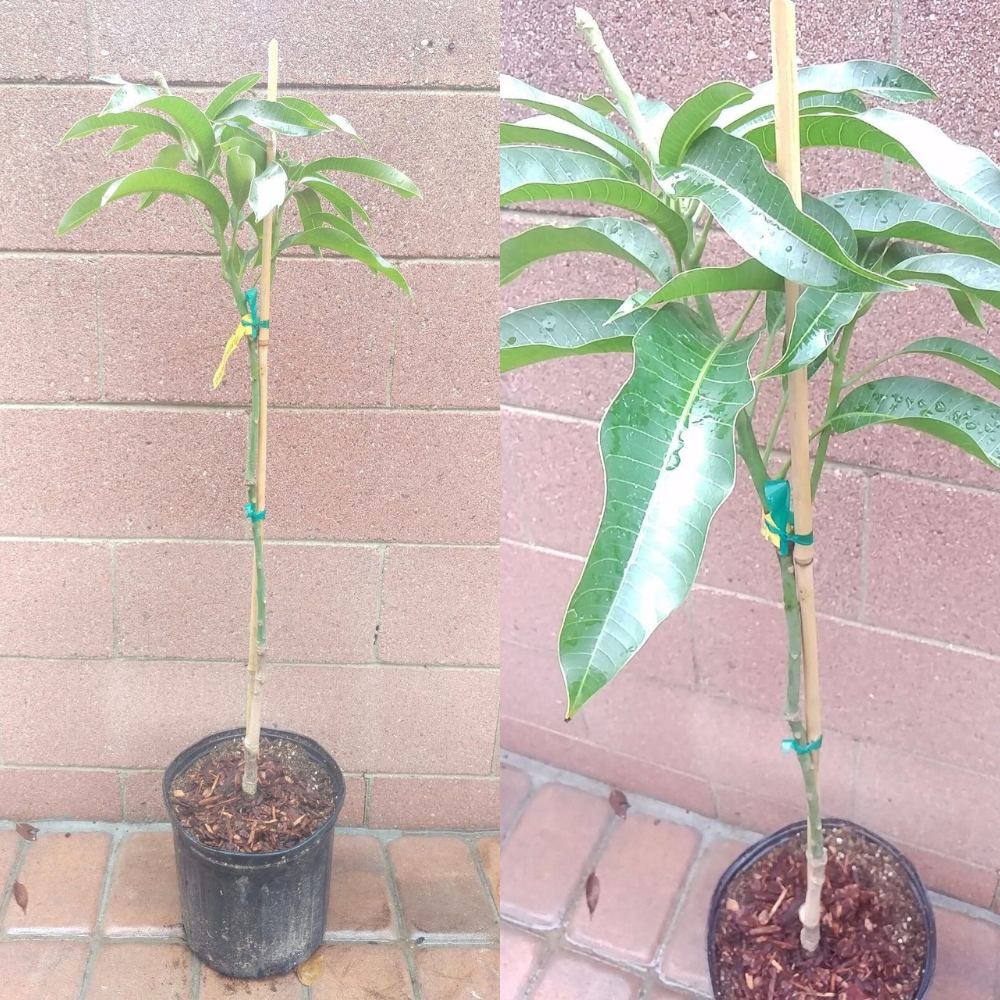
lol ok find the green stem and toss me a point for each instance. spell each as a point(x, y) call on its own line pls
point(776, 425)
point(858, 376)
point(699, 248)
point(749, 450)
point(832, 399)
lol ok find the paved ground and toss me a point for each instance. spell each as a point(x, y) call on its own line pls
point(412, 917)
point(657, 869)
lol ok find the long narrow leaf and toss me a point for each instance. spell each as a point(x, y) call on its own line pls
point(195, 126)
point(318, 116)
point(962, 353)
point(669, 457)
point(695, 115)
point(338, 242)
point(272, 115)
point(960, 272)
point(547, 130)
point(365, 167)
point(339, 198)
point(226, 96)
point(936, 408)
point(563, 328)
point(621, 238)
point(136, 119)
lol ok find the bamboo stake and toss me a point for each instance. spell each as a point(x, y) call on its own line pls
point(789, 169)
point(256, 657)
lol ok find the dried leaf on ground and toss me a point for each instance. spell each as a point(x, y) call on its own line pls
point(27, 831)
point(312, 969)
point(21, 896)
point(593, 891)
point(619, 803)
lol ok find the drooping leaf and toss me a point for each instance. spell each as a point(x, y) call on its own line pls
point(819, 317)
point(241, 171)
point(128, 97)
point(756, 210)
point(860, 76)
point(196, 127)
point(338, 242)
point(936, 408)
point(695, 115)
point(967, 175)
point(968, 308)
point(961, 352)
point(833, 222)
point(622, 238)
point(227, 95)
point(960, 272)
point(535, 173)
point(337, 197)
point(547, 130)
point(527, 96)
point(599, 103)
point(878, 212)
point(272, 115)
point(364, 167)
point(268, 190)
point(809, 104)
point(747, 276)
point(153, 179)
point(564, 328)
point(133, 136)
point(168, 157)
point(310, 207)
point(319, 117)
point(670, 461)
point(136, 119)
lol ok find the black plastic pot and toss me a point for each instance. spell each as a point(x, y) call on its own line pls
point(254, 915)
point(761, 847)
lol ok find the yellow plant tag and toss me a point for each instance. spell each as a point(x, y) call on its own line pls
point(246, 324)
point(769, 530)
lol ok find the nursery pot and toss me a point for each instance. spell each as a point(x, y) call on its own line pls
point(756, 851)
point(254, 915)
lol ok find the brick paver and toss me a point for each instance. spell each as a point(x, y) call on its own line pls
point(489, 852)
point(574, 977)
point(449, 938)
point(514, 788)
point(519, 956)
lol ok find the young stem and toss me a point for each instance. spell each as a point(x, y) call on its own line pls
point(832, 399)
point(776, 426)
point(623, 93)
point(258, 359)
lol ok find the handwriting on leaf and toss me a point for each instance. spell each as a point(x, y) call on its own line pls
point(593, 890)
point(21, 896)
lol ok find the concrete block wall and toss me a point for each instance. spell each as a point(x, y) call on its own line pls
point(123, 551)
point(908, 553)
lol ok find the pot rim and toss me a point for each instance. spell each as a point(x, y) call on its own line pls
point(761, 847)
point(196, 750)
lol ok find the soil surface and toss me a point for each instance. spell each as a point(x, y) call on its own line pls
point(294, 796)
point(873, 945)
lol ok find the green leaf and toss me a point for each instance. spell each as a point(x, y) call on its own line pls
point(168, 157)
point(128, 97)
point(747, 276)
point(364, 167)
point(622, 238)
point(936, 408)
point(338, 242)
point(656, 114)
point(563, 328)
point(153, 179)
point(272, 115)
point(961, 352)
point(877, 212)
point(133, 136)
point(337, 197)
point(547, 130)
point(960, 272)
point(229, 94)
point(241, 172)
point(248, 143)
point(318, 117)
point(809, 104)
point(968, 308)
point(137, 119)
point(268, 190)
point(695, 115)
point(196, 127)
point(819, 317)
point(833, 222)
point(670, 461)
point(340, 224)
point(600, 104)
point(756, 209)
point(524, 94)
point(967, 175)
point(535, 173)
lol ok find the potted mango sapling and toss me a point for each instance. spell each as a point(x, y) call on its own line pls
point(784, 923)
point(253, 811)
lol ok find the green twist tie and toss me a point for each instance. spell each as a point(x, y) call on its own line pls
point(254, 515)
point(779, 522)
point(801, 748)
point(256, 325)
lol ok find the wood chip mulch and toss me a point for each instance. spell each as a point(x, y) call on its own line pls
point(873, 943)
point(294, 796)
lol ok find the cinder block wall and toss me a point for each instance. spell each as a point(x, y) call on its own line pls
point(123, 555)
point(908, 552)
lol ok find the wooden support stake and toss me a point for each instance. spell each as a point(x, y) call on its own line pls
point(256, 660)
point(787, 140)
